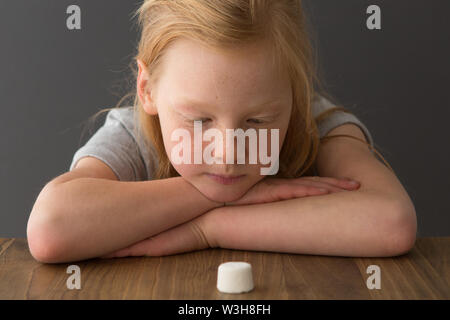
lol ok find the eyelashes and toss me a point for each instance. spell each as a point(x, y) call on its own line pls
point(257, 121)
point(204, 120)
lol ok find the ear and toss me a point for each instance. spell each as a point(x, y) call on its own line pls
point(145, 94)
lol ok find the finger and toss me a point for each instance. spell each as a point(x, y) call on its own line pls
point(337, 182)
point(137, 249)
point(318, 185)
point(312, 191)
point(183, 238)
point(141, 248)
point(341, 182)
point(114, 254)
point(298, 191)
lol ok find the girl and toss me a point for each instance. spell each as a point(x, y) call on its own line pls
point(229, 64)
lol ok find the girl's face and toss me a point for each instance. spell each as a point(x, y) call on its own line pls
point(230, 89)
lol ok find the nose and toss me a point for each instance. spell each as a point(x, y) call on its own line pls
point(234, 147)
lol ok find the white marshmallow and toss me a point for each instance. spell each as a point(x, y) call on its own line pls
point(235, 277)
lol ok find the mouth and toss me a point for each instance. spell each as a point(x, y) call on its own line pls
point(226, 180)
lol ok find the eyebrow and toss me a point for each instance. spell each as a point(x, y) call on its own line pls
point(192, 104)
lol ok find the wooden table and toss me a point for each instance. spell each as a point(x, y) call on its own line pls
point(423, 273)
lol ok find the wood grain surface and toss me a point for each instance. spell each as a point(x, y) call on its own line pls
point(423, 273)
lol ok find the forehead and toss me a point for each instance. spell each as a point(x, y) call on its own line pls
point(190, 69)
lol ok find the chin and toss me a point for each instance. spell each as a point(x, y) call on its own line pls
point(219, 192)
point(222, 194)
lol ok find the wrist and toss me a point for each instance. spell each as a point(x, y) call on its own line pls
point(211, 224)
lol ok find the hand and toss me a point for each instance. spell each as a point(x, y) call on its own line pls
point(188, 236)
point(276, 189)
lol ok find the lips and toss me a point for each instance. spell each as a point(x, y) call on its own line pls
point(225, 179)
point(226, 176)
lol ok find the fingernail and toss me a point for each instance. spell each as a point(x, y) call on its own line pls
point(353, 182)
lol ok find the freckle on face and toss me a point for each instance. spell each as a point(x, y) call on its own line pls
point(226, 82)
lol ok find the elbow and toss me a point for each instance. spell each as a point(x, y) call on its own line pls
point(42, 250)
point(400, 229)
point(44, 244)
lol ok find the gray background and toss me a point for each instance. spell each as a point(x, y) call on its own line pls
point(52, 80)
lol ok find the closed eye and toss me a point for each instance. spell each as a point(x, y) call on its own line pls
point(258, 121)
point(203, 120)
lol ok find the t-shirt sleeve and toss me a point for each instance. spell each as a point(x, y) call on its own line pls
point(337, 118)
point(115, 146)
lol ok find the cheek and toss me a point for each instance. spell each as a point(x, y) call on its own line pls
point(282, 137)
point(168, 126)
point(183, 169)
point(271, 134)
point(188, 170)
point(283, 127)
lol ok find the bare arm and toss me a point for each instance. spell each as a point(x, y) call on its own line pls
point(350, 223)
point(378, 219)
point(89, 217)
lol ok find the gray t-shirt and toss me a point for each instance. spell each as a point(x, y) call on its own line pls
point(116, 145)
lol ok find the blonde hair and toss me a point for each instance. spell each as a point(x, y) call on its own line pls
point(228, 24)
